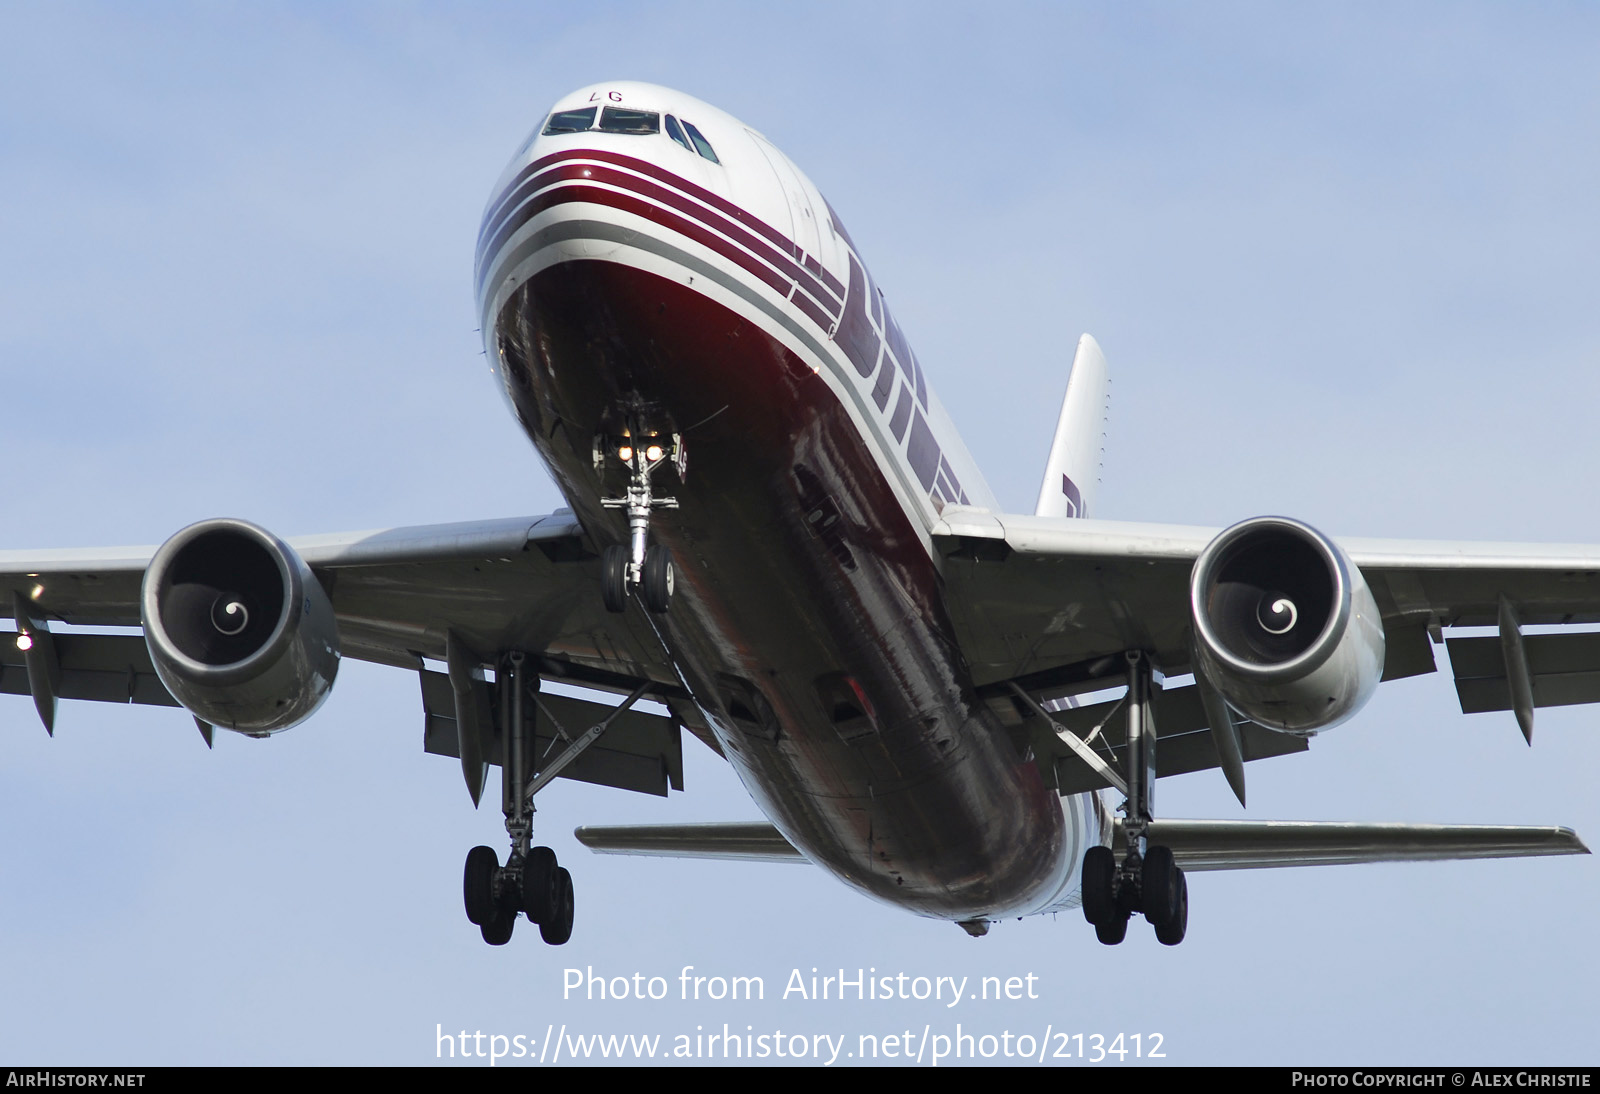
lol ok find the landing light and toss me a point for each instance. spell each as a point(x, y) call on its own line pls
point(24, 642)
point(625, 453)
point(653, 453)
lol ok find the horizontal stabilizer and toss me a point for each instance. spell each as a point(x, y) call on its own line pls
point(748, 841)
point(1250, 845)
point(1196, 844)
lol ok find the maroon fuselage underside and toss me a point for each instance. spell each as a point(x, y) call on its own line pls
point(797, 573)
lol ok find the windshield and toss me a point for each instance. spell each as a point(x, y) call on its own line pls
point(614, 119)
point(569, 121)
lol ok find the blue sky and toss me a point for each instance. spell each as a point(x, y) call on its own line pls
point(1340, 258)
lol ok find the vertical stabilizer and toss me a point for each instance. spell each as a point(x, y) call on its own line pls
point(1072, 473)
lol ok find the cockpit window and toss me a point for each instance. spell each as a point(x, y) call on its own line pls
point(614, 119)
point(701, 144)
point(569, 121)
point(675, 131)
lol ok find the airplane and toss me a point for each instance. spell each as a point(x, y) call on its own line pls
point(776, 533)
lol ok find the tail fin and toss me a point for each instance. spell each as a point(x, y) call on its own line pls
point(1072, 474)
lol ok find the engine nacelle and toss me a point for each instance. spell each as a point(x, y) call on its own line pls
point(1285, 626)
point(239, 629)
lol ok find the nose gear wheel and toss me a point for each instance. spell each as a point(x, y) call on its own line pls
point(658, 579)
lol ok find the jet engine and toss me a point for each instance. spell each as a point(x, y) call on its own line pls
point(1285, 626)
point(239, 629)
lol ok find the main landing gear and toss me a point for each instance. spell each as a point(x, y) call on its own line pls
point(641, 565)
point(1148, 879)
point(531, 881)
point(535, 885)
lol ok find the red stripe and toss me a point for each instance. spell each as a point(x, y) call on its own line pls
point(526, 182)
point(814, 313)
point(822, 303)
point(516, 219)
point(828, 279)
point(590, 173)
point(644, 167)
point(667, 219)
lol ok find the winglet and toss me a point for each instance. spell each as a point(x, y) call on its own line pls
point(1072, 473)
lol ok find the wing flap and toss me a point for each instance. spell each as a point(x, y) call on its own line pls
point(1250, 845)
point(105, 668)
point(1184, 741)
point(1565, 670)
point(642, 752)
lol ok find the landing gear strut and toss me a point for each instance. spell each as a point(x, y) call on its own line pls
point(640, 565)
point(531, 881)
point(1148, 879)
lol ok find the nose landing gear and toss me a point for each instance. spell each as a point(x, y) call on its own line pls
point(641, 565)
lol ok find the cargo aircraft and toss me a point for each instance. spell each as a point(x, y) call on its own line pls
point(777, 537)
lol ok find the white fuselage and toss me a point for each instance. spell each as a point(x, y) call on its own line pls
point(715, 286)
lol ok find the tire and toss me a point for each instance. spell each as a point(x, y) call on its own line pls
point(539, 884)
point(1173, 932)
point(1112, 933)
point(614, 578)
point(497, 931)
point(1159, 886)
point(559, 929)
point(1099, 885)
point(658, 579)
point(477, 884)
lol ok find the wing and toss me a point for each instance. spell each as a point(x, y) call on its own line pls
point(400, 596)
point(1048, 605)
point(398, 591)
